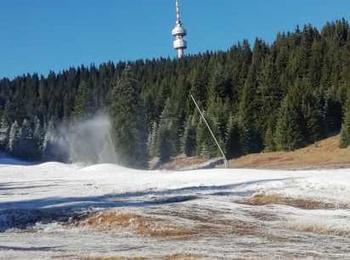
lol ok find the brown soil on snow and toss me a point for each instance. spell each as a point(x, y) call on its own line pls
point(180, 162)
point(320, 229)
point(142, 225)
point(161, 228)
point(166, 257)
point(269, 199)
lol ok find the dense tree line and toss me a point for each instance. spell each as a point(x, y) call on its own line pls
point(278, 96)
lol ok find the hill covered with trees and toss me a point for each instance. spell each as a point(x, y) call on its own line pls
point(279, 96)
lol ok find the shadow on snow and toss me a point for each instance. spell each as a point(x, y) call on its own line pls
point(25, 214)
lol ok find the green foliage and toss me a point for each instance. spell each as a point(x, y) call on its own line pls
point(345, 131)
point(233, 145)
point(82, 104)
point(289, 134)
point(269, 139)
point(277, 96)
point(250, 139)
point(153, 142)
point(189, 138)
point(128, 126)
point(4, 133)
point(167, 133)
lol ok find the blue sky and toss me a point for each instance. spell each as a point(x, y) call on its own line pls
point(43, 35)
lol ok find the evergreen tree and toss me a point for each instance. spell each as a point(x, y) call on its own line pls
point(4, 133)
point(38, 135)
point(206, 146)
point(82, 104)
point(345, 131)
point(199, 85)
point(26, 145)
point(269, 141)
point(232, 145)
point(289, 135)
point(167, 134)
point(313, 116)
point(219, 84)
point(250, 138)
point(128, 125)
point(14, 135)
point(153, 142)
point(189, 138)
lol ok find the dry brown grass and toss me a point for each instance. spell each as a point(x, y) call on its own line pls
point(214, 223)
point(182, 257)
point(144, 226)
point(162, 228)
point(319, 229)
point(167, 257)
point(323, 154)
point(112, 258)
point(182, 161)
point(268, 199)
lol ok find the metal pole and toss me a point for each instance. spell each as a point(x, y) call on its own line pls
point(211, 132)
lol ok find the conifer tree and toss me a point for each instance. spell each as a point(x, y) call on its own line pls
point(289, 134)
point(189, 138)
point(202, 140)
point(199, 85)
point(153, 142)
point(128, 125)
point(82, 104)
point(345, 131)
point(13, 136)
point(167, 133)
point(232, 145)
point(38, 135)
point(269, 141)
point(312, 114)
point(26, 145)
point(219, 85)
point(250, 139)
point(4, 133)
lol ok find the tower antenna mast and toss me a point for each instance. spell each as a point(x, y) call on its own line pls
point(179, 33)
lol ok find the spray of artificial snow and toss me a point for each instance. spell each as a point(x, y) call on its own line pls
point(84, 141)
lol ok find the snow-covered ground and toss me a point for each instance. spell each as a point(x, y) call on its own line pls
point(70, 211)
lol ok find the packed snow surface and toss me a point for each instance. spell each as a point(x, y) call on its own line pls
point(48, 211)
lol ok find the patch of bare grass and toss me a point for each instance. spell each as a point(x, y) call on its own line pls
point(182, 257)
point(113, 258)
point(179, 256)
point(269, 199)
point(323, 154)
point(144, 226)
point(162, 228)
point(320, 229)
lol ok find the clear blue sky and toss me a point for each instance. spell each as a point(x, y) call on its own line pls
point(43, 35)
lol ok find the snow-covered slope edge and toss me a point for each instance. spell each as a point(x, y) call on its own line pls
point(65, 181)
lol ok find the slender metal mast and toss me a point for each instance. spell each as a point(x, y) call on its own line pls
point(178, 19)
point(211, 132)
point(179, 33)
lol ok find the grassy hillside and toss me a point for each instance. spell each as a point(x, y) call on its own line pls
point(323, 154)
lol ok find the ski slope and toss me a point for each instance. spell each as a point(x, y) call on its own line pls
point(45, 210)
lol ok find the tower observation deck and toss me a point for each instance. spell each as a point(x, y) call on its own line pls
point(179, 34)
